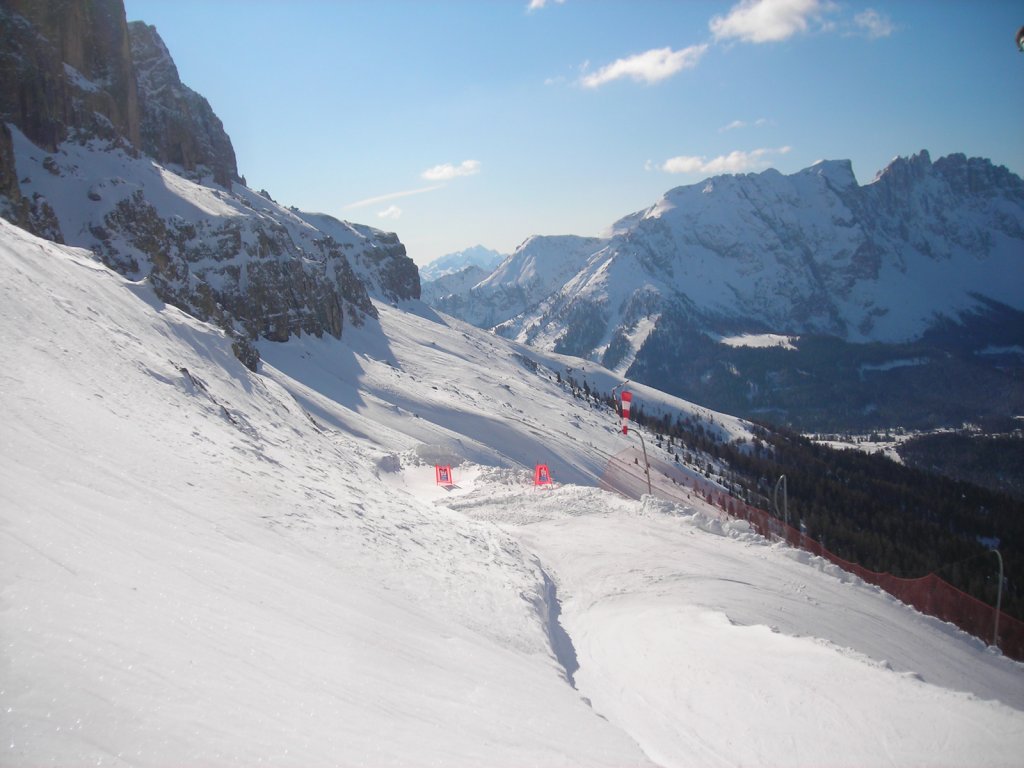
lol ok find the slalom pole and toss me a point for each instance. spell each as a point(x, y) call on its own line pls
point(647, 465)
point(999, 599)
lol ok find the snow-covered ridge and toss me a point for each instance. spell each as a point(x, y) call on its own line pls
point(258, 268)
point(209, 565)
point(478, 256)
point(523, 279)
point(807, 253)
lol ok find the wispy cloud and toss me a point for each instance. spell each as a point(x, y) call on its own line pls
point(447, 171)
point(648, 67)
point(873, 24)
point(767, 21)
point(444, 172)
point(736, 124)
point(393, 196)
point(736, 161)
point(536, 5)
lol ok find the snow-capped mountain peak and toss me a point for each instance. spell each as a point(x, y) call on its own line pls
point(812, 253)
point(477, 256)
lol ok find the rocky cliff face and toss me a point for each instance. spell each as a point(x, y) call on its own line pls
point(178, 126)
point(86, 92)
point(79, 70)
point(66, 67)
point(378, 258)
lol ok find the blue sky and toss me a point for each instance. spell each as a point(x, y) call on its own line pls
point(487, 121)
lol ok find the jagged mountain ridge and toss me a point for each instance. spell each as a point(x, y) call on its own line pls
point(90, 104)
point(456, 273)
point(522, 280)
point(178, 127)
point(810, 254)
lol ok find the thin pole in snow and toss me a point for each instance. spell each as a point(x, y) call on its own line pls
point(784, 512)
point(999, 599)
point(643, 444)
point(647, 466)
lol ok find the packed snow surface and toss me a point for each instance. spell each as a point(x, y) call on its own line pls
point(205, 566)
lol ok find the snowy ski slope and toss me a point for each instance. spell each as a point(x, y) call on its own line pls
point(204, 566)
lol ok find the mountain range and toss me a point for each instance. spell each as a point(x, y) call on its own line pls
point(457, 272)
point(766, 294)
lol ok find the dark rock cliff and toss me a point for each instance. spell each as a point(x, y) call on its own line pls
point(92, 98)
point(178, 126)
point(66, 66)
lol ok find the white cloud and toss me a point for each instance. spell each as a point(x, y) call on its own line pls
point(648, 67)
point(736, 161)
point(683, 164)
point(873, 24)
point(447, 171)
point(735, 124)
point(536, 5)
point(444, 172)
point(393, 196)
point(764, 21)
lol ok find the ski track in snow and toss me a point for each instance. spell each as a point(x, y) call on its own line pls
point(205, 566)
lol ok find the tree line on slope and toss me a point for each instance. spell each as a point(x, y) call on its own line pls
point(891, 518)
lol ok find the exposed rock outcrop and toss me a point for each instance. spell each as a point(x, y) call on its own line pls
point(72, 73)
point(178, 126)
point(10, 192)
point(378, 258)
point(66, 67)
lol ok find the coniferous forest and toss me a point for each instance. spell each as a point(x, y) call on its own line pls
point(891, 518)
point(991, 460)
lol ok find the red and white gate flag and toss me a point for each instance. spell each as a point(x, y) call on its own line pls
point(443, 473)
point(627, 398)
point(542, 475)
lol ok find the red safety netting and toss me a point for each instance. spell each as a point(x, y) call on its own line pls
point(929, 594)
